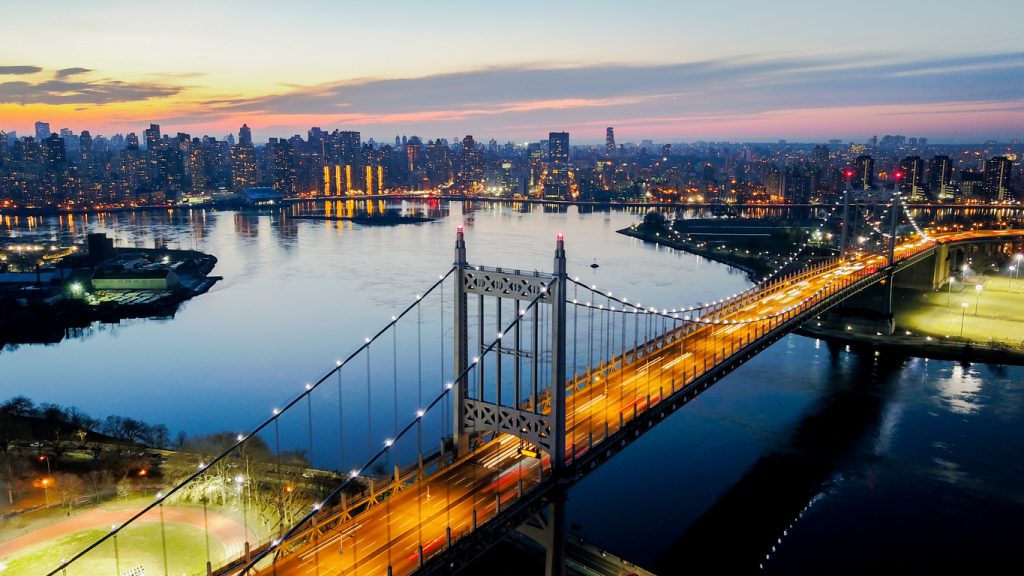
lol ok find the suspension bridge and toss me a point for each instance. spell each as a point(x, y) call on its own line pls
point(504, 387)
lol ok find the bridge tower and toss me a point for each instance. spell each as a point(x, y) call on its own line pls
point(477, 412)
point(844, 244)
point(890, 254)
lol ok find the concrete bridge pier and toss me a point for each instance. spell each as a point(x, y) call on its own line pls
point(887, 324)
point(554, 535)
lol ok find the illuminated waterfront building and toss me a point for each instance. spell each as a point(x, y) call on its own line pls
point(940, 177)
point(997, 178)
point(556, 185)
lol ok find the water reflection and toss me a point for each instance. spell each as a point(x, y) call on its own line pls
point(298, 293)
point(960, 389)
point(742, 529)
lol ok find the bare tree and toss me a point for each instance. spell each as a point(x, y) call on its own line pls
point(70, 488)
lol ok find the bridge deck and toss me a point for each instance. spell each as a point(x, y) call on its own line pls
point(601, 403)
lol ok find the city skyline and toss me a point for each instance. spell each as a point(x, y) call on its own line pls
point(778, 72)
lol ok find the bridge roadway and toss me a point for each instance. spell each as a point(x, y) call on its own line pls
point(598, 403)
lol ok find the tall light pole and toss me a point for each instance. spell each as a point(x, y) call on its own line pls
point(1017, 273)
point(46, 481)
point(977, 302)
point(950, 293)
point(963, 312)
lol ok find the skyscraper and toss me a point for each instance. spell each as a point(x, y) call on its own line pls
point(85, 152)
point(797, 184)
point(348, 147)
point(54, 152)
point(244, 171)
point(940, 177)
point(152, 135)
point(244, 135)
point(913, 177)
point(281, 156)
point(864, 172)
point(609, 141)
point(557, 183)
point(820, 156)
point(42, 131)
point(997, 178)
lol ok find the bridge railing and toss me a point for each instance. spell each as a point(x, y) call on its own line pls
point(420, 516)
point(712, 350)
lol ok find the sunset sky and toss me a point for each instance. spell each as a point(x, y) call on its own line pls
point(673, 71)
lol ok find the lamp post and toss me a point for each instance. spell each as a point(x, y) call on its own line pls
point(46, 491)
point(977, 302)
point(46, 481)
point(950, 293)
point(117, 553)
point(1019, 258)
point(963, 312)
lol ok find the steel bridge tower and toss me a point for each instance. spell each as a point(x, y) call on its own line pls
point(473, 415)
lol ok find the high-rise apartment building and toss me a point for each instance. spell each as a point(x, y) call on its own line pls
point(913, 177)
point(940, 177)
point(864, 173)
point(152, 136)
point(42, 131)
point(609, 141)
point(997, 178)
point(348, 145)
point(556, 185)
point(245, 135)
point(244, 172)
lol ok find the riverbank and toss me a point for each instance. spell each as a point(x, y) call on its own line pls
point(939, 348)
point(754, 266)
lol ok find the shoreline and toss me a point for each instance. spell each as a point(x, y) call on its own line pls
point(234, 205)
point(938, 348)
point(46, 324)
point(751, 271)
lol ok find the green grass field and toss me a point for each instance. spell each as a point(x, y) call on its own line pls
point(138, 546)
point(995, 315)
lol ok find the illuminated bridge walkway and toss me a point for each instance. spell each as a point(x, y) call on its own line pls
point(447, 430)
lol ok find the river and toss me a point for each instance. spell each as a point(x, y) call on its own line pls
point(808, 459)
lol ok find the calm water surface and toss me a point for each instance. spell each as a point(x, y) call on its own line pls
point(809, 459)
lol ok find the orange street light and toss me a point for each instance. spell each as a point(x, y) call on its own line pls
point(46, 491)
